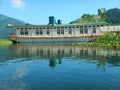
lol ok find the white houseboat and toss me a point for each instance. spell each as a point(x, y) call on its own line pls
point(58, 32)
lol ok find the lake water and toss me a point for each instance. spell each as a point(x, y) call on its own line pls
point(58, 67)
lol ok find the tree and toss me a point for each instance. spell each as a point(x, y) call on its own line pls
point(102, 14)
point(113, 16)
point(99, 12)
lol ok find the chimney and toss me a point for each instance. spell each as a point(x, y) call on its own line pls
point(59, 21)
point(52, 20)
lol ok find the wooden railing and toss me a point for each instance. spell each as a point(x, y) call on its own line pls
point(12, 36)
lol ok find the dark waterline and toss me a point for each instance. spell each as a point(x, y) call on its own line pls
point(58, 67)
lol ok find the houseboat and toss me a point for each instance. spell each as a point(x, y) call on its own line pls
point(58, 32)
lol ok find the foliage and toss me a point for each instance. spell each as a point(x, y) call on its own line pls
point(87, 18)
point(5, 41)
point(108, 40)
point(92, 18)
point(102, 14)
point(110, 16)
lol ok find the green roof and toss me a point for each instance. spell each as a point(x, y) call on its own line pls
point(80, 24)
point(86, 23)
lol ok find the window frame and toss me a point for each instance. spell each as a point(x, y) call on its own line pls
point(94, 30)
point(70, 31)
point(81, 30)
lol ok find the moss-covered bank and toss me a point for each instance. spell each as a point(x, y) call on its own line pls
point(108, 40)
point(5, 42)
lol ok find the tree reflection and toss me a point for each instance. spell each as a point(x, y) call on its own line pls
point(52, 62)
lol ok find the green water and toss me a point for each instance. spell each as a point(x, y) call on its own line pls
point(58, 67)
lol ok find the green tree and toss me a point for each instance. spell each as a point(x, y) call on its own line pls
point(113, 16)
point(106, 38)
point(102, 14)
point(99, 12)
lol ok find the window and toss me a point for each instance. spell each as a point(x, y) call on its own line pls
point(70, 31)
point(37, 32)
point(26, 32)
point(21, 32)
point(62, 30)
point(21, 28)
point(77, 26)
point(41, 32)
point(85, 30)
point(58, 31)
point(58, 27)
point(81, 30)
point(48, 32)
point(97, 25)
point(94, 30)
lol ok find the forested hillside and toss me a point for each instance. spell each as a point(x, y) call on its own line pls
point(113, 16)
point(110, 16)
point(4, 21)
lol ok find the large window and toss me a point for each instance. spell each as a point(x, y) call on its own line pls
point(37, 32)
point(62, 30)
point(94, 29)
point(48, 32)
point(81, 30)
point(70, 31)
point(23, 32)
point(41, 32)
point(26, 32)
point(85, 30)
point(58, 31)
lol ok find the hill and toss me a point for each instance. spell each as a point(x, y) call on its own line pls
point(4, 21)
point(110, 16)
point(113, 16)
point(87, 18)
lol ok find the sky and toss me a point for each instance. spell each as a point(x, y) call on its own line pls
point(37, 11)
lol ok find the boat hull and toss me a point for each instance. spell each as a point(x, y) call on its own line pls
point(50, 40)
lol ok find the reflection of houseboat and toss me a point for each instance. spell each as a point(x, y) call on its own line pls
point(59, 51)
point(58, 32)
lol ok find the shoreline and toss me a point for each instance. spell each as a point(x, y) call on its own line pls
point(103, 45)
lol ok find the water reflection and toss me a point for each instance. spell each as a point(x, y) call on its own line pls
point(58, 67)
point(57, 52)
